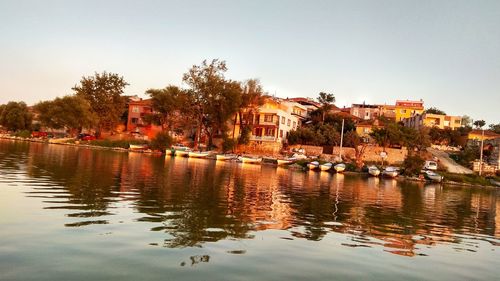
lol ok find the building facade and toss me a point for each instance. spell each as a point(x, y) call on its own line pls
point(137, 109)
point(433, 120)
point(406, 109)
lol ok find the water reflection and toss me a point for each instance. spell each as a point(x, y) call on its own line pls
point(194, 201)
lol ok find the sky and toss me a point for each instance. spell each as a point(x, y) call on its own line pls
point(444, 52)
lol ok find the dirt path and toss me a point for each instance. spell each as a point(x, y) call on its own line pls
point(450, 164)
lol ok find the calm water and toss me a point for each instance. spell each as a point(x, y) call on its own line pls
point(70, 213)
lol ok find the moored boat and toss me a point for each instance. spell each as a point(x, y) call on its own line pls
point(169, 151)
point(390, 172)
point(374, 171)
point(226, 157)
point(433, 176)
point(286, 161)
point(313, 165)
point(326, 166)
point(339, 167)
point(138, 147)
point(198, 154)
point(251, 160)
point(182, 153)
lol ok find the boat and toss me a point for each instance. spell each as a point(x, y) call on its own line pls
point(433, 176)
point(299, 156)
point(250, 160)
point(198, 154)
point(326, 166)
point(138, 147)
point(313, 165)
point(339, 167)
point(374, 171)
point(170, 151)
point(390, 172)
point(182, 153)
point(286, 161)
point(226, 157)
point(179, 147)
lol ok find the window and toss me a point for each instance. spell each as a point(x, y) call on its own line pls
point(135, 109)
point(294, 123)
point(283, 120)
point(268, 118)
point(269, 132)
point(289, 122)
point(281, 133)
point(403, 110)
point(134, 120)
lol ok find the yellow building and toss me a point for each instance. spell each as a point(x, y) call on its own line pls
point(433, 120)
point(406, 109)
point(477, 135)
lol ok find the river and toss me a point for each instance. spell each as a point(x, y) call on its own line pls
point(73, 213)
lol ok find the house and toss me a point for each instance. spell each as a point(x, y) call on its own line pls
point(137, 110)
point(478, 135)
point(365, 127)
point(372, 111)
point(433, 120)
point(406, 109)
point(310, 104)
point(272, 122)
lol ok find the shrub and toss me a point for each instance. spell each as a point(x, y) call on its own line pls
point(245, 135)
point(161, 141)
point(228, 144)
point(413, 165)
point(23, 134)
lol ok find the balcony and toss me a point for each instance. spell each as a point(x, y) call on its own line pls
point(262, 138)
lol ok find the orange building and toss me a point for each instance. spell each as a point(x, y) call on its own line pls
point(137, 109)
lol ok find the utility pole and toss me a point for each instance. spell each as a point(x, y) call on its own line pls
point(341, 140)
point(481, 152)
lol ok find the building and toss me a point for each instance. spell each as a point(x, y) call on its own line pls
point(310, 104)
point(272, 122)
point(433, 120)
point(478, 135)
point(406, 109)
point(137, 109)
point(365, 127)
point(372, 111)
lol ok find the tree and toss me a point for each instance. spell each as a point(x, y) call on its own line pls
point(166, 103)
point(103, 92)
point(433, 110)
point(466, 121)
point(15, 116)
point(252, 96)
point(495, 128)
point(70, 112)
point(479, 123)
point(213, 98)
point(352, 139)
point(326, 100)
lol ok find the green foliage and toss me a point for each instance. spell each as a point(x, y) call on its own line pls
point(479, 123)
point(473, 179)
point(161, 141)
point(25, 134)
point(228, 144)
point(14, 116)
point(72, 112)
point(326, 100)
point(495, 128)
point(466, 156)
point(413, 164)
point(165, 104)
point(245, 135)
point(448, 136)
point(395, 134)
point(103, 92)
point(433, 110)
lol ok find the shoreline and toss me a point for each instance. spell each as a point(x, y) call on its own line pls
point(299, 168)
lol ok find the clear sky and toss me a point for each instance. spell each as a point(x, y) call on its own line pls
point(444, 52)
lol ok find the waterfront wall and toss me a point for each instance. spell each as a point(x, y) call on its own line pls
point(371, 154)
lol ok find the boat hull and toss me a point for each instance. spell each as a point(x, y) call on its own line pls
point(282, 162)
point(225, 157)
point(313, 165)
point(339, 168)
point(181, 153)
point(325, 167)
point(198, 154)
point(249, 160)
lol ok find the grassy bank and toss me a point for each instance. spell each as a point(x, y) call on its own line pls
point(472, 179)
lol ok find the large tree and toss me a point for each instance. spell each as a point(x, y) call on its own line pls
point(15, 116)
point(166, 104)
point(434, 110)
point(103, 91)
point(252, 96)
point(479, 123)
point(213, 98)
point(326, 100)
point(495, 128)
point(70, 112)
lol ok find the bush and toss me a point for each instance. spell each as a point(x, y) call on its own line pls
point(413, 164)
point(245, 135)
point(161, 141)
point(23, 134)
point(228, 144)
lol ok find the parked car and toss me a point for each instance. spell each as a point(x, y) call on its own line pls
point(86, 137)
point(431, 165)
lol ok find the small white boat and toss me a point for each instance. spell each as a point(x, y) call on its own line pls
point(326, 166)
point(198, 154)
point(251, 160)
point(435, 177)
point(299, 156)
point(180, 147)
point(339, 167)
point(226, 157)
point(390, 172)
point(286, 161)
point(182, 153)
point(313, 165)
point(374, 171)
point(138, 147)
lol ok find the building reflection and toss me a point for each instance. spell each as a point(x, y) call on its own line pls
point(194, 201)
